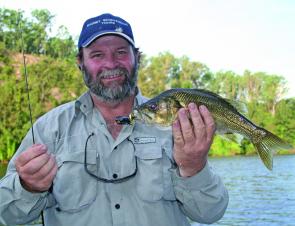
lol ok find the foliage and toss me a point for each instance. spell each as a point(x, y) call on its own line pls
point(223, 147)
point(35, 33)
point(52, 82)
point(155, 72)
point(54, 79)
point(284, 122)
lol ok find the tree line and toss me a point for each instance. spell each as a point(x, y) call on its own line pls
point(54, 79)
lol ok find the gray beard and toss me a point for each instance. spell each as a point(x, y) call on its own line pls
point(113, 94)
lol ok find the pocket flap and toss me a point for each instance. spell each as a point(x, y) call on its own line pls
point(76, 157)
point(153, 152)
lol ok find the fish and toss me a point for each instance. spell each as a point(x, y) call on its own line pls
point(162, 110)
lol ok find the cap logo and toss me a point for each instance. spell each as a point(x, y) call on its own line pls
point(102, 25)
point(92, 23)
point(119, 29)
point(113, 21)
point(106, 21)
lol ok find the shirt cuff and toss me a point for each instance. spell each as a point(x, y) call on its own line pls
point(25, 195)
point(196, 182)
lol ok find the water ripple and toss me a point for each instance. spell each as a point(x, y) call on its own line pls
point(258, 197)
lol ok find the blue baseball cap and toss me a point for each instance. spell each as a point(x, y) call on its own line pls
point(103, 25)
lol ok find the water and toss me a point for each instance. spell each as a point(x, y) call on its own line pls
point(258, 197)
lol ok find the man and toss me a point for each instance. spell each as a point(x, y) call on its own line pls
point(87, 170)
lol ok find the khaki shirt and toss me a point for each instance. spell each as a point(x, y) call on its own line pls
point(156, 195)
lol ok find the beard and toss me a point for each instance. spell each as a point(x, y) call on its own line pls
point(116, 92)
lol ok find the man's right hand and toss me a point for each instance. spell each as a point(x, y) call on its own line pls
point(36, 168)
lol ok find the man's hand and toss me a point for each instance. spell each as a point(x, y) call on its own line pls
point(193, 133)
point(36, 168)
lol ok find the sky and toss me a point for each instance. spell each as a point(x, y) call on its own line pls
point(235, 35)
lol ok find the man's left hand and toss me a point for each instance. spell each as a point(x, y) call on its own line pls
point(193, 133)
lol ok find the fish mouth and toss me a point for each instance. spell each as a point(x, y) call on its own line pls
point(123, 120)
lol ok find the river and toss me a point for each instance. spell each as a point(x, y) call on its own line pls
point(258, 197)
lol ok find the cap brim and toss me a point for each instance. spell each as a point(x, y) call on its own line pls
point(97, 35)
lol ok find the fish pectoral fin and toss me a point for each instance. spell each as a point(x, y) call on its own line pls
point(222, 128)
point(229, 137)
point(178, 104)
point(240, 106)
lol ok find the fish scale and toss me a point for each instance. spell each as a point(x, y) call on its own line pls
point(162, 110)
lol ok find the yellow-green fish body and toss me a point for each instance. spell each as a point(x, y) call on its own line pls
point(163, 108)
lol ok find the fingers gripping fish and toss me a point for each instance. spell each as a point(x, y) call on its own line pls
point(163, 109)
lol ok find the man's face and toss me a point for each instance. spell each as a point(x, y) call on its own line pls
point(109, 68)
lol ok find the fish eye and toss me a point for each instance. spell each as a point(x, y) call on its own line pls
point(153, 107)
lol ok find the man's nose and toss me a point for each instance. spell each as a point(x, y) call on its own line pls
point(110, 61)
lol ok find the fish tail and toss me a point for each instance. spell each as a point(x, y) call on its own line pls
point(268, 146)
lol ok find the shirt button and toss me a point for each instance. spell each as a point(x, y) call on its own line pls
point(117, 206)
point(115, 175)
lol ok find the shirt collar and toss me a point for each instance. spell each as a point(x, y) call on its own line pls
point(84, 103)
point(139, 98)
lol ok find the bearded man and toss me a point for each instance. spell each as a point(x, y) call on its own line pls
point(85, 169)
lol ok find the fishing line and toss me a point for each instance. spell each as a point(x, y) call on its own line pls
point(29, 100)
point(27, 90)
point(27, 87)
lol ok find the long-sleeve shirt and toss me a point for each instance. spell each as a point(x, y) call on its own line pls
point(155, 195)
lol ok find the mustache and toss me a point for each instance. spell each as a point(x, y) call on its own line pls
point(112, 72)
point(111, 94)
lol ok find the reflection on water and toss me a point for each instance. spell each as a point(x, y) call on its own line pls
point(258, 196)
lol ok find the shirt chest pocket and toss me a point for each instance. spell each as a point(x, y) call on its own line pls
point(153, 180)
point(73, 188)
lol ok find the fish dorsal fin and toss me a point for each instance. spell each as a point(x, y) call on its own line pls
point(174, 93)
point(231, 104)
point(240, 106)
point(199, 92)
point(169, 95)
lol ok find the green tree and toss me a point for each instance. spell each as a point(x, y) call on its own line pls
point(14, 117)
point(155, 73)
point(35, 33)
point(62, 45)
point(52, 83)
point(190, 74)
point(285, 120)
point(226, 84)
point(9, 28)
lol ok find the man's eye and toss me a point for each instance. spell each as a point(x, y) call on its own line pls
point(98, 55)
point(122, 52)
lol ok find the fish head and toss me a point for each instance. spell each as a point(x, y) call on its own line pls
point(160, 111)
